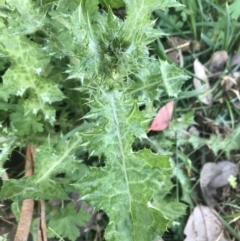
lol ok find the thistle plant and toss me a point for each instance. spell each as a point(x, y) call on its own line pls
point(73, 81)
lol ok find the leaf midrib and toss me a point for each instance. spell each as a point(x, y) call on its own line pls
point(121, 148)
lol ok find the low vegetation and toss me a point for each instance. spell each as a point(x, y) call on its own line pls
point(119, 120)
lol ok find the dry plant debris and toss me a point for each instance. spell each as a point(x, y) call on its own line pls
point(203, 225)
point(163, 117)
point(201, 82)
point(218, 61)
point(216, 175)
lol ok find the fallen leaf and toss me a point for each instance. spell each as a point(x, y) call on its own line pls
point(236, 75)
point(163, 117)
point(203, 225)
point(215, 175)
point(218, 60)
point(232, 87)
point(193, 131)
point(200, 73)
point(195, 46)
point(228, 82)
point(235, 60)
point(176, 57)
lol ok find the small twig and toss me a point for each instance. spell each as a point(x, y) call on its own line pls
point(6, 221)
point(178, 47)
point(42, 230)
point(26, 214)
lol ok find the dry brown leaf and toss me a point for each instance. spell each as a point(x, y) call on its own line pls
point(236, 75)
point(215, 175)
point(195, 46)
point(203, 225)
point(235, 60)
point(214, 127)
point(236, 92)
point(218, 61)
point(228, 82)
point(232, 87)
point(176, 57)
point(193, 131)
point(236, 104)
point(180, 46)
point(200, 73)
point(163, 118)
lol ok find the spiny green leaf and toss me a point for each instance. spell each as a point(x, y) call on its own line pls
point(147, 82)
point(52, 160)
point(4, 11)
point(3, 96)
point(127, 183)
point(105, 53)
point(185, 183)
point(113, 3)
point(26, 124)
point(168, 206)
point(75, 37)
point(225, 144)
point(27, 188)
point(173, 78)
point(7, 144)
point(67, 7)
point(27, 63)
point(218, 143)
point(107, 121)
point(26, 18)
point(137, 25)
point(64, 223)
point(90, 7)
point(234, 9)
point(171, 210)
point(179, 128)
